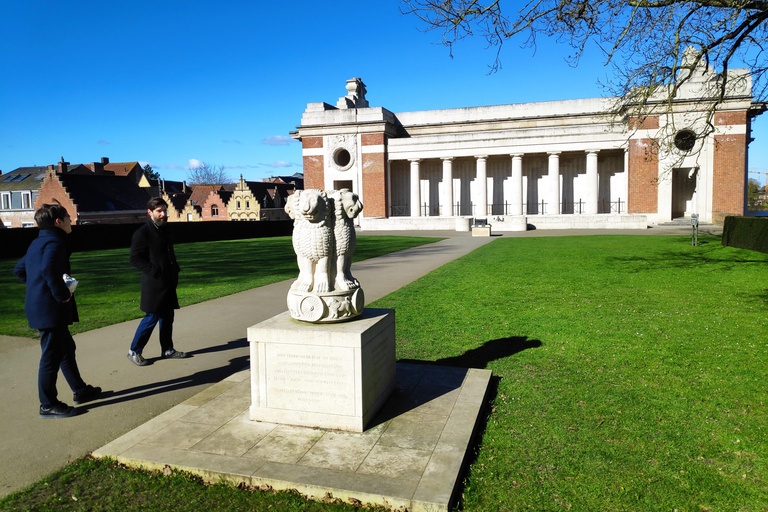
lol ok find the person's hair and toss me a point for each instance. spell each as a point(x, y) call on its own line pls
point(155, 202)
point(46, 215)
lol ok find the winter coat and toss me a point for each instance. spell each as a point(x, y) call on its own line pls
point(43, 269)
point(152, 253)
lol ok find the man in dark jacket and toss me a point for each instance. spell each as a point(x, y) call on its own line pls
point(50, 308)
point(152, 253)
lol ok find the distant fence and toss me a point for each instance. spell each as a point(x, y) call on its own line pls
point(90, 237)
point(746, 233)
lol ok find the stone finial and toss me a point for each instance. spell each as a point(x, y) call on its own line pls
point(355, 97)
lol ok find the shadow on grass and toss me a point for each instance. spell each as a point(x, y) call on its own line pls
point(209, 376)
point(698, 258)
point(489, 351)
point(450, 377)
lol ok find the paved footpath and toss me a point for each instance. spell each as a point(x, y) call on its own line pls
point(212, 332)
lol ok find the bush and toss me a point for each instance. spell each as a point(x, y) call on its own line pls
point(746, 233)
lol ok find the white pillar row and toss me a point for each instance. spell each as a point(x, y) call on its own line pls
point(482, 186)
point(447, 196)
point(590, 208)
point(516, 191)
point(415, 188)
point(553, 201)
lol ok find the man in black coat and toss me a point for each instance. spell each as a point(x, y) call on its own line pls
point(51, 309)
point(152, 253)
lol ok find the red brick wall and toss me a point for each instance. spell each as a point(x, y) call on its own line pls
point(214, 198)
point(372, 139)
point(643, 177)
point(375, 184)
point(724, 118)
point(649, 123)
point(314, 169)
point(374, 177)
point(51, 189)
point(728, 176)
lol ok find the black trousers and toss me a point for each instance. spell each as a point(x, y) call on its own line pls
point(58, 352)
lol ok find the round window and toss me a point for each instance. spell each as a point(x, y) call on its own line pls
point(342, 157)
point(685, 140)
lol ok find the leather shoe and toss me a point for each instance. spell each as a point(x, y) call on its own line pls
point(60, 410)
point(87, 394)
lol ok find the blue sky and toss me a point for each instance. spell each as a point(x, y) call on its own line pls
point(174, 82)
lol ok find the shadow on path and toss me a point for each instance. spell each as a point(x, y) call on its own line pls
point(208, 376)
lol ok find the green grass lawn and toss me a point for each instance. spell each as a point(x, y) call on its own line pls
point(108, 289)
point(630, 375)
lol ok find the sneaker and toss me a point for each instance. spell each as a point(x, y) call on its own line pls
point(60, 410)
point(174, 354)
point(86, 395)
point(136, 359)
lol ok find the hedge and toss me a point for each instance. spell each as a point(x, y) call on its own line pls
point(90, 237)
point(746, 233)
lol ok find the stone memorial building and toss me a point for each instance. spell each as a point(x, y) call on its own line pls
point(547, 165)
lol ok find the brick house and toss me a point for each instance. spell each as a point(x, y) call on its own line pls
point(214, 207)
point(21, 188)
point(551, 165)
point(95, 198)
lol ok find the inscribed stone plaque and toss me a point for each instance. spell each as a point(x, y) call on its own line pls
point(313, 379)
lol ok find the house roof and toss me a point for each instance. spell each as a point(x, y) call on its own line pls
point(121, 168)
point(200, 193)
point(100, 193)
point(23, 178)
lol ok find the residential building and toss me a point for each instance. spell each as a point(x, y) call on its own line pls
point(18, 192)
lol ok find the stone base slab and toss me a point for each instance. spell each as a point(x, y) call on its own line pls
point(411, 459)
point(334, 376)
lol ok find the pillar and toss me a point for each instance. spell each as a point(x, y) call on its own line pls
point(415, 188)
point(447, 196)
point(592, 196)
point(516, 192)
point(482, 185)
point(553, 199)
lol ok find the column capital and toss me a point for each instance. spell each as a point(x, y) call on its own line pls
point(414, 160)
point(554, 153)
point(446, 158)
point(589, 151)
point(481, 157)
point(517, 155)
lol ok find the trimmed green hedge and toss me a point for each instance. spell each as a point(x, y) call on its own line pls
point(746, 233)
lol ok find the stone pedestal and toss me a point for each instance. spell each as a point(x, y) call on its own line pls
point(334, 376)
point(481, 230)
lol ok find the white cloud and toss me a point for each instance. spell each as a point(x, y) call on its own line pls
point(281, 163)
point(277, 140)
point(194, 163)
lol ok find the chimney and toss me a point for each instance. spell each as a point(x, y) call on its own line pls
point(63, 166)
point(98, 167)
point(104, 160)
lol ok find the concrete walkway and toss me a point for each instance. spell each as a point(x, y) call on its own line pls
point(212, 332)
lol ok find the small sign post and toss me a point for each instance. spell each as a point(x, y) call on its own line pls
point(694, 229)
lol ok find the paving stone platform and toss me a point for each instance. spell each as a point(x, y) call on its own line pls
point(410, 458)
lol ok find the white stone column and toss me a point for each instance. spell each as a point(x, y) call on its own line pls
point(447, 196)
point(593, 184)
point(482, 186)
point(625, 184)
point(516, 193)
point(553, 200)
point(415, 188)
